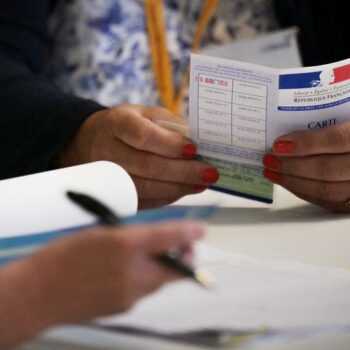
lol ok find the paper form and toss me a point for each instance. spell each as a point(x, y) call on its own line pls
point(237, 110)
point(280, 50)
point(250, 293)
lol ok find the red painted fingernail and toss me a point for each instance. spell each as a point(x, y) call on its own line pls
point(189, 151)
point(199, 188)
point(272, 162)
point(272, 176)
point(210, 176)
point(283, 147)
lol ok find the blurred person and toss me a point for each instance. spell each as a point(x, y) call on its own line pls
point(90, 274)
point(81, 95)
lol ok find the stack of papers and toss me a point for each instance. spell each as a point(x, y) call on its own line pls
point(250, 294)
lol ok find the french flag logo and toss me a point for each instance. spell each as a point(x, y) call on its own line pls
point(315, 79)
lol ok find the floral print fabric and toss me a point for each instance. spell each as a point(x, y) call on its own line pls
point(101, 47)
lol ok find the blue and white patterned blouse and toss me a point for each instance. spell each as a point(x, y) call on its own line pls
point(101, 48)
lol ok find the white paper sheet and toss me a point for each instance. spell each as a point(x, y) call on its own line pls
point(37, 203)
point(250, 293)
point(278, 49)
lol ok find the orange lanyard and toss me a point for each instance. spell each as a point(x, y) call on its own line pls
point(161, 61)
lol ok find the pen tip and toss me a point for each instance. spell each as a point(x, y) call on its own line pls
point(204, 279)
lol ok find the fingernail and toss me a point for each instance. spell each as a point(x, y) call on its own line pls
point(189, 151)
point(272, 176)
point(283, 147)
point(199, 188)
point(271, 161)
point(210, 176)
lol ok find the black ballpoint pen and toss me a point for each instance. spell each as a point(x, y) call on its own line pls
point(108, 217)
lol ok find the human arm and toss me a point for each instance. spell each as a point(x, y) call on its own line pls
point(37, 120)
point(41, 127)
point(87, 275)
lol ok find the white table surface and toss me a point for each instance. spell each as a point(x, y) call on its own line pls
point(288, 230)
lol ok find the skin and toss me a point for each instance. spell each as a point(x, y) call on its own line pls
point(91, 274)
point(315, 169)
point(152, 155)
point(317, 166)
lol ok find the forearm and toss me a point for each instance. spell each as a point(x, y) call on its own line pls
point(36, 119)
point(23, 308)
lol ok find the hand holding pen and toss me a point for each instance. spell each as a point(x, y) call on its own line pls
point(171, 259)
point(96, 272)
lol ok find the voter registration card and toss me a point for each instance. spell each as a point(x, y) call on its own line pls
point(238, 109)
point(228, 113)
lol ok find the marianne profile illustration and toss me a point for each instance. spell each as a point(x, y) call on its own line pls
point(327, 78)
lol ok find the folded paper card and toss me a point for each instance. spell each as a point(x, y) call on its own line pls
point(238, 109)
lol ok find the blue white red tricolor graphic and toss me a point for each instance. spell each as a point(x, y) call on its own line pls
point(315, 79)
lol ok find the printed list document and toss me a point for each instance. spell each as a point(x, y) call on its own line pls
point(238, 109)
point(250, 293)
